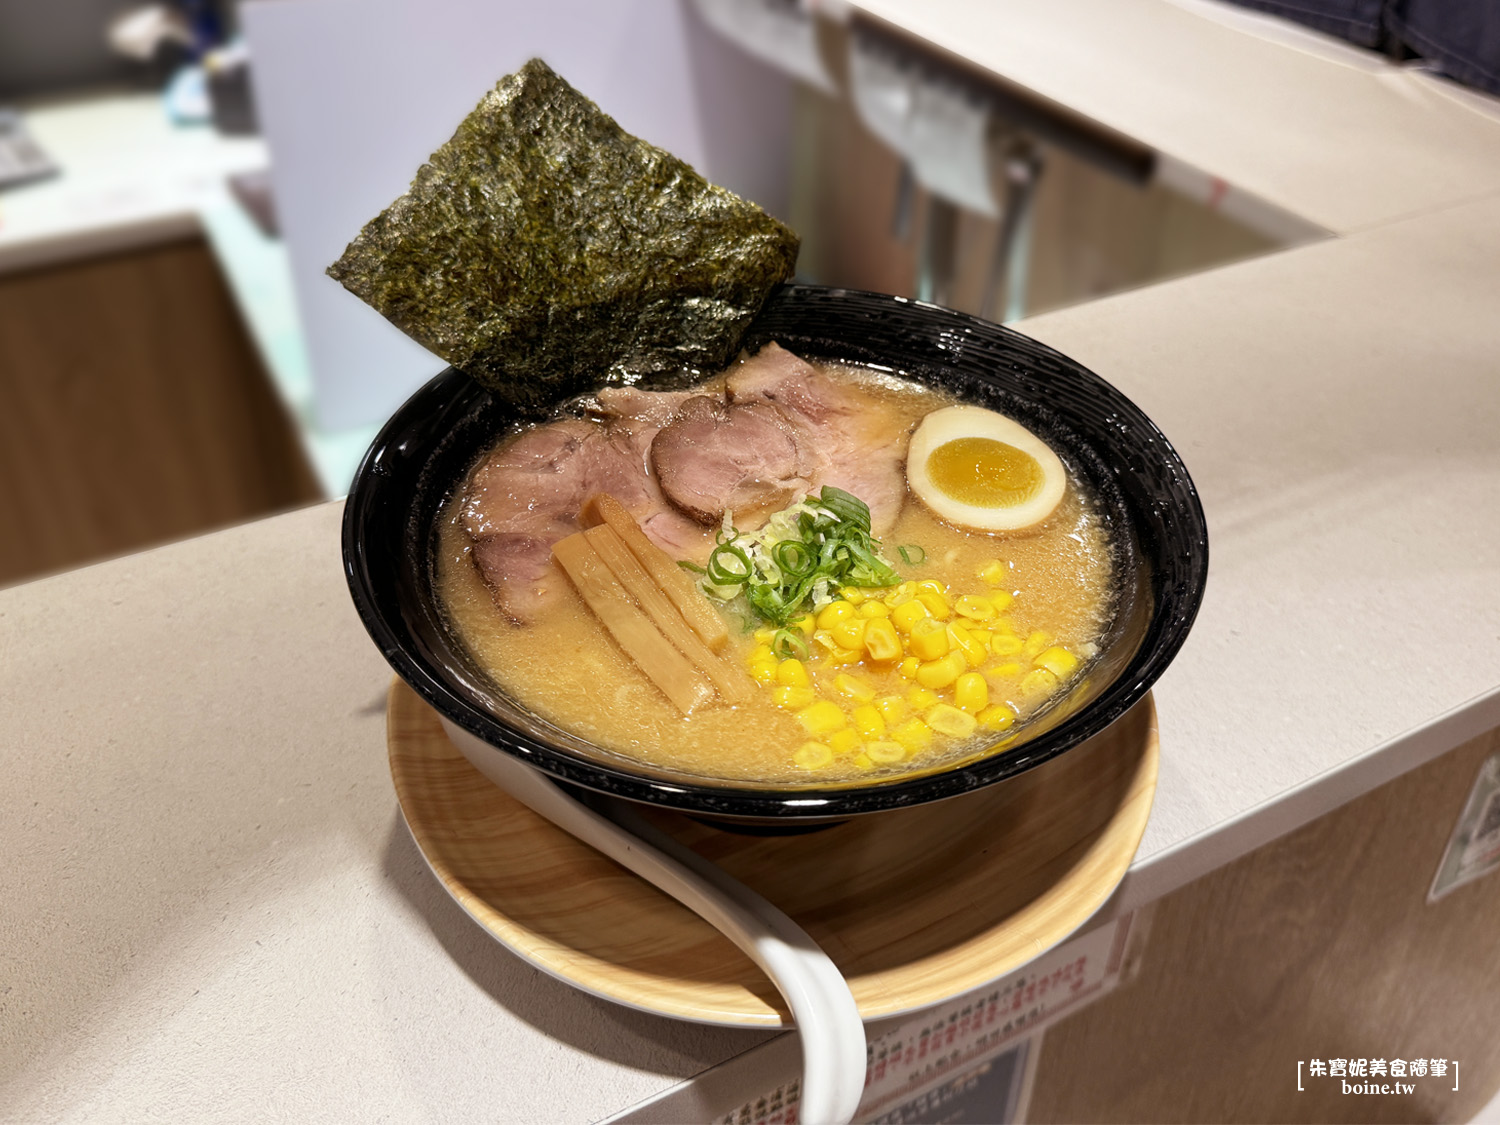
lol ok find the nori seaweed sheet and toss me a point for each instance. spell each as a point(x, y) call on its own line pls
point(544, 251)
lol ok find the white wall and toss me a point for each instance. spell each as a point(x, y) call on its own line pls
point(354, 94)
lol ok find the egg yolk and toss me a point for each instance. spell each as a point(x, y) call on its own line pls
point(984, 472)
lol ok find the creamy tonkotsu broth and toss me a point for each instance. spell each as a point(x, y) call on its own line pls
point(1029, 608)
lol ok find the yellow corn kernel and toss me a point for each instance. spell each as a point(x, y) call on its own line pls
point(892, 708)
point(913, 735)
point(941, 673)
point(994, 572)
point(971, 692)
point(906, 615)
point(1035, 643)
point(833, 651)
point(849, 632)
point(1009, 670)
point(862, 761)
point(869, 721)
point(853, 595)
point(822, 717)
point(805, 623)
point(1003, 624)
point(907, 669)
point(901, 595)
point(974, 607)
point(855, 689)
point(874, 609)
point(982, 636)
point(844, 741)
point(886, 752)
point(793, 673)
point(963, 641)
point(812, 755)
point(1059, 661)
point(933, 586)
point(763, 671)
point(834, 612)
point(951, 721)
point(957, 662)
point(921, 698)
point(765, 635)
point(761, 652)
point(1004, 644)
point(793, 698)
point(929, 640)
point(1038, 682)
point(936, 604)
point(881, 641)
point(1000, 599)
point(996, 717)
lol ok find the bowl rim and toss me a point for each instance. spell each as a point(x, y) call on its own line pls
point(726, 799)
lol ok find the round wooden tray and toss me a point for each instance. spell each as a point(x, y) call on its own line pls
point(914, 906)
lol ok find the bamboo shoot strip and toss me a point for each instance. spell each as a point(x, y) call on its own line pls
point(642, 641)
point(732, 684)
point(675, 582)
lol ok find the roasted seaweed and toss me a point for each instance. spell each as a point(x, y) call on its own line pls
point(543, 251)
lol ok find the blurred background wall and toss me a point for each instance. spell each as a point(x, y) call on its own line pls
point(52, 45)
point(60, 46)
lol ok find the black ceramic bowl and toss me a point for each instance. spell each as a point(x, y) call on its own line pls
point(1158, 533)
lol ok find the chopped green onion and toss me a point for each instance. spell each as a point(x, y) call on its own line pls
point(788, 643)
point(823, 542)
point(794, 558)
point(720, 574)
point(912, 555)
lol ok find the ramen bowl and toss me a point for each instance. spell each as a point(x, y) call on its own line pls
point(1157, 533)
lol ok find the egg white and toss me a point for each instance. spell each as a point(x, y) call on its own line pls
point(953, 422)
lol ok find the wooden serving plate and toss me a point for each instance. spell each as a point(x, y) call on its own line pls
point(914, 906)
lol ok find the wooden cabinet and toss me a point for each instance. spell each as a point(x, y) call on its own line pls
point(1319, 945)
point(133, 410)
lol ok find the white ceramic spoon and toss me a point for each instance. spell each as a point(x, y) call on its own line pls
point(827, 1018)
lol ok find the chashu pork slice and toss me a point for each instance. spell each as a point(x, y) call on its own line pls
point(714, 457)
point(526, 494)
point(677, 461)
point(850, 439)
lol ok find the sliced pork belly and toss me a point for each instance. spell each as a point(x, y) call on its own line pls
point(746, 459)
point(526, 495)
point(852, 442)
point(656, 407)
point(677, 460)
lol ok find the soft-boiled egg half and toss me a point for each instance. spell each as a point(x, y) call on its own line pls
point(980, 469)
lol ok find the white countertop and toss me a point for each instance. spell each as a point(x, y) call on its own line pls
point(1339, 409)
point(213, 912)
point(1344, 144)
point(129, 177)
